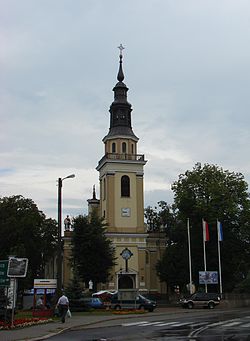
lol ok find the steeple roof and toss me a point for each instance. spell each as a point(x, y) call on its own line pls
point(120, 110)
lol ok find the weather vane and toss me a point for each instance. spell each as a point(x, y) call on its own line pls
point(121, 48)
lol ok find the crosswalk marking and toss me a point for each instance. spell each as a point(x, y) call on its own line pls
point(162, 324)
point(174, 324)
point(133, 323)
point(232, 324)
point(149, 324)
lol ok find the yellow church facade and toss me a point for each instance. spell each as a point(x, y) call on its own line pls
point(121, 204)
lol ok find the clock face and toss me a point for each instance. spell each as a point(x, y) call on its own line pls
point(126, 254)
point(125, 212)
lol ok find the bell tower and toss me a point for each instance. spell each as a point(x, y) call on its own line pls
point(121, 191)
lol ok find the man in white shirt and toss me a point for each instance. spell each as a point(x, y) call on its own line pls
point(63, 306)
point(39, 303)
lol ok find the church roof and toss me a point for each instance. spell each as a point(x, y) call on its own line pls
point(120, 109)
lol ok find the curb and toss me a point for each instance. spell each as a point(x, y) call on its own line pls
point(82, 326)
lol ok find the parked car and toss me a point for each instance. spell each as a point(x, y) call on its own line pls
point(140, 302)
point(200, 299)
point(94, 302)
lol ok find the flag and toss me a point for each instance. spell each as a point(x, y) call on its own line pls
point(219, 231)
point(205, 231)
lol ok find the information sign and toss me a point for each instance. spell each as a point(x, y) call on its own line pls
point(17, 267)
point(45, 283)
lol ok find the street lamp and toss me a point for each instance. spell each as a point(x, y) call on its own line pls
point(59, 234)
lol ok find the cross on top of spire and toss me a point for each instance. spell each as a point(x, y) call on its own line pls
point(121, 48)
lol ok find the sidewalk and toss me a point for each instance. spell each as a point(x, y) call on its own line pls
point(44, 331)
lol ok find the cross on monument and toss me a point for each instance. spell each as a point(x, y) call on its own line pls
point(121, 48)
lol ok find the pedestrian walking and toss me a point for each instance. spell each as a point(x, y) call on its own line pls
point(63, 306)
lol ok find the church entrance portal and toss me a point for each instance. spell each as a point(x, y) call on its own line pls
point(126, 282)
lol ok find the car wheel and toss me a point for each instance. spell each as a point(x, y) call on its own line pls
point(190, 305)
point(210, 305)
point(117, 307)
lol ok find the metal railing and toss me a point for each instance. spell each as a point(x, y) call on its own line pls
point(123, 156)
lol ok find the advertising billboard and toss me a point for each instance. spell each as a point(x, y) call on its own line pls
point(208, 277)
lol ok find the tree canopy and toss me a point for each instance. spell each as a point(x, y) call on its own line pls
point(92, 252)
point(26, 233)
point(208, 193)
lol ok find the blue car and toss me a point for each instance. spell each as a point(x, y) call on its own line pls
point(94, 302)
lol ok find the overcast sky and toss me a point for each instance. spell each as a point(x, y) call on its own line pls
point(186, 64)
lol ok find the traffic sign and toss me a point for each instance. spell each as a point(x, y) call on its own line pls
point(4, 279)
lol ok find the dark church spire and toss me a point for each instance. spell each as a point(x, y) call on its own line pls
point(120, 76)
point(120, 109)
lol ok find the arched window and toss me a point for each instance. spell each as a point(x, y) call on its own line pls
point(113, 147)
point(125, 186)
point(124, 147)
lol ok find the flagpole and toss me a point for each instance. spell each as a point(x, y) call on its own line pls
point(204, 250)
point(189, 259)
point(219, 257)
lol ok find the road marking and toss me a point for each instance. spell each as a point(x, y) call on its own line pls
point(133, 323)
point(154, 323)
point(162, 324)
point(149, 324)
point(232, 324)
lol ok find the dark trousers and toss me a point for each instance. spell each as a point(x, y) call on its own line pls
point(63, 308)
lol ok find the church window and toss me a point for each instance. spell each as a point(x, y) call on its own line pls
point(125, 186)
point(124, 147)
point(132, 148)
point(113, 147)
point(104, 189)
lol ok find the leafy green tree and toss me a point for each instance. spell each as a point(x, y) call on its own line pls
point(244, 286)
point(25, 232)
point(211, 193)
point(160, 217)
point(92, 252)
point(74, 290)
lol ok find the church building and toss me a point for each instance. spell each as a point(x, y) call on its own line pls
point(121, 203)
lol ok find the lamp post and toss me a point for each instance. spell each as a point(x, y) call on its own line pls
point(59, 234)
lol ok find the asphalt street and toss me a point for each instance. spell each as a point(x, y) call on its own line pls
point(199, 324)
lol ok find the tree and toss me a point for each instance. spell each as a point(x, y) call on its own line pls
point(211, 193)
point(160, 217)
point(173, 267)
point(26, 233)
point(74, 289)
point(92, 252)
